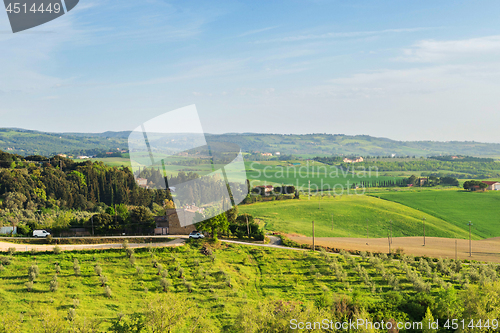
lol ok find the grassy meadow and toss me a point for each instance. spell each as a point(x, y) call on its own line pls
point(322, 176)
point(229, 288)
point(455, 207)
point(352, 214)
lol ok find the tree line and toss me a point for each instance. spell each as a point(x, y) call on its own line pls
point(35, 182)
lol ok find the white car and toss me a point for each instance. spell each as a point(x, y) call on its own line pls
point(40, 233)
point(196, 234)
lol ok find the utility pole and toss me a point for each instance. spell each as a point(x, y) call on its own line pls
point(391, 229)
point(470, 242)
point(248, 228)
point(423, 220)
point(313, 237)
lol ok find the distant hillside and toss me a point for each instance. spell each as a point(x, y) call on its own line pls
point(26, 142)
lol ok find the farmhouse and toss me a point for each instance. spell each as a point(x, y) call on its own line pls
point(492, 185)
point(353, 160)
point(264, 189)
point(266, 154)
point(142, 182)
point(170, 223)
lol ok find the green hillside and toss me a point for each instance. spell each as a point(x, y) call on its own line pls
point(456, 208)
point(235, 288)
point(351, 216)
point(321, 176)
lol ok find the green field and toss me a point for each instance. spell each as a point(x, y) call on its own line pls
point(237, 289)
point(351, 216)
point(321, 176)
point(456, 208)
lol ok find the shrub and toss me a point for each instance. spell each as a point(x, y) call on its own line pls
point(363, 255)
point(107, 292)
point(165, 284)
point(54, 284)
point(33, 251)
point(139, 270)
point(57, 249)
point(155, 263)
point(458, 265)
point(125, 244)
point(2, 268)
point(29, 285)
point(58, 268)
point(98, 270)
point(103, 280)
point(130, 252)
point(5, 261)
point(132, 260)
point(189, 286)
point(76, 267)
point(181, 272)
point(164, 273)
point(33, 272)
point(48, 239)
point(76, 303)
point(421, 286)
point(159, 268)
point(71, 314)
point(11, 250)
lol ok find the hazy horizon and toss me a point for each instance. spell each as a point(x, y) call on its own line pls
point(254, 133)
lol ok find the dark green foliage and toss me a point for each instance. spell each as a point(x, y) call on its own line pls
point(240, 229)
point(214, 225)
point(473, 185)
point(141, 220)
point(79, 185)
point(134, 323)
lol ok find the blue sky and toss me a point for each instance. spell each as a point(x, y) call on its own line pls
point(419, 70)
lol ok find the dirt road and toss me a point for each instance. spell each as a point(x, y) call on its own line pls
point(482, 250)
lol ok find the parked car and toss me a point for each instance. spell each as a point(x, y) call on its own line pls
point(196, 234)
point(40, 233)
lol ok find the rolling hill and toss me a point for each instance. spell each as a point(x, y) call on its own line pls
point(349, 216)
point(28, 142)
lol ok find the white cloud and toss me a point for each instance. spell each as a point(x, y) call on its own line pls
point(256, 31)
point(330, 35)
point(433, 50)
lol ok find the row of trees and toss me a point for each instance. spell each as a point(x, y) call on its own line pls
point(412, 180)
point(62, 183)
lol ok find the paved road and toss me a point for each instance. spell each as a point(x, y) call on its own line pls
point(275, 242)
point(4, 246)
